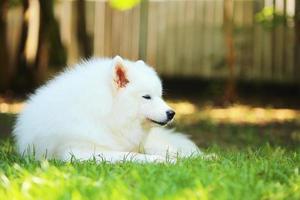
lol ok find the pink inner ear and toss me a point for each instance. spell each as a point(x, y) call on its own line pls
point(121, 77)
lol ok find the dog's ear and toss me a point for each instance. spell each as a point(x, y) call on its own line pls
point(119, 73)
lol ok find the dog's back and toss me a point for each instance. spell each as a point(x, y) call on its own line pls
point(66, 105)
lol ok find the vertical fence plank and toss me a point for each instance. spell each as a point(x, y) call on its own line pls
point(116, 29)
point(207, 39)
point(199, 60)
point(161, 37)
point(108, 30)
point(152, 33)
point(143, 33)
point(188, 37)
point(290, 55)
point(179, 37)
point(257, 52)
point(125, 34)
point(74, 54)
point(135, 27)
point(171, 37)
point(99, 29)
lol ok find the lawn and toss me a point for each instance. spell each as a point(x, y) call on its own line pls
point(258, 158)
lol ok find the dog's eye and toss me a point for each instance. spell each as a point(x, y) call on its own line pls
point(147, 97)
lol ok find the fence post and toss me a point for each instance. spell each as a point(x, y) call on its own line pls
point(143, 30)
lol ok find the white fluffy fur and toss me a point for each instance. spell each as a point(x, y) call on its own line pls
point(83, 113)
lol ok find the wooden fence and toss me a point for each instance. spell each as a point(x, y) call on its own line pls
point(186, 38)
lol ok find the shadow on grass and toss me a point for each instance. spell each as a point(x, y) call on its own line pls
point(230, 135)
point(6, 124)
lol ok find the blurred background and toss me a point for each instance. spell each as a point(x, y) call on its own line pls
point(230, 67)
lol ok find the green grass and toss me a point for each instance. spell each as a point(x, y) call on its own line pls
point(264, 173)
point(255, 161)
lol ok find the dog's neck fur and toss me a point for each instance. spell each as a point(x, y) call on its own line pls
point(129, 132)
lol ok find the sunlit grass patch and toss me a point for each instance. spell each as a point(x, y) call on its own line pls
point(263, 173)
point(248, 114)
point(11, 107)
point(237, 126)
point(237, 113)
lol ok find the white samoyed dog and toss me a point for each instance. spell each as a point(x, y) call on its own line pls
point(101, 109)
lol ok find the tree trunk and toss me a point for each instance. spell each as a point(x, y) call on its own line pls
point(82, 36)
point(4, 68)
point(230, 88)
point(42, 56)
point(50, 47)
point(297, 38)
point(23, 77)
point(31, 74)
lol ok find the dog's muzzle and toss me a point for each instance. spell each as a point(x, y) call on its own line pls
point(170, 115)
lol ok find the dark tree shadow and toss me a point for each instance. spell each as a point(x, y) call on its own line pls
point(6, 124)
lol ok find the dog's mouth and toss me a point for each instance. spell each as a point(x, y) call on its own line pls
point(160, 123)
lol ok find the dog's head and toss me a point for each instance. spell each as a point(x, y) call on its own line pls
point(138, 92)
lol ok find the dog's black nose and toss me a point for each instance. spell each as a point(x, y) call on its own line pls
point(170, 114)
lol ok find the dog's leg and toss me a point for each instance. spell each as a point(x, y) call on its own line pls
point(109, 156)
point(168, 144)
